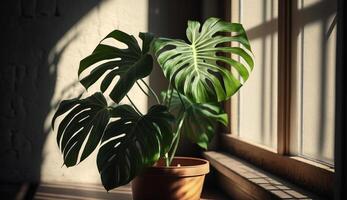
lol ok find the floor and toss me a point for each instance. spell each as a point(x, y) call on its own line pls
point(69, 191)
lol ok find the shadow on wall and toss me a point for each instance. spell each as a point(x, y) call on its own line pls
point(30, 30)
point(169, 19)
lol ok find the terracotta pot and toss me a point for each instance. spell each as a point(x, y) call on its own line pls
point(183, 180)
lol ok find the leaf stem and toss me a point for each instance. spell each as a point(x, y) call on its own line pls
point(132, 103)
point(179, 96)
point(138, 84)
point(169, 103)
point(166, 93)
point(151, 90)
point(167, 163)
point(177, 138)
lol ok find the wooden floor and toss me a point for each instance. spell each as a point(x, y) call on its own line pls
point(69, 191)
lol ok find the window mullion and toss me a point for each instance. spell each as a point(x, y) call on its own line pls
point(284, 64)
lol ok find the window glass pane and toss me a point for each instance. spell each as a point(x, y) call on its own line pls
point(313, 59)
point(257, 100)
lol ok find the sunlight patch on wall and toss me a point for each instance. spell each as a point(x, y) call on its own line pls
point(127, 15)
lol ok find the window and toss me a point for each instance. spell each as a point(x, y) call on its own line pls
point(313, 61)
point(256, 102)
point(285, 111)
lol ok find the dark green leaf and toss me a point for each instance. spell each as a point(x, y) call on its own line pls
point(201, 120)
point(133, 142)
point(146, 38)
point(129, 64)
point(84, 123)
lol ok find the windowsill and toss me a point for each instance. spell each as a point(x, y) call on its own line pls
point(242, 180)
point(321, 165)
point(304, 173)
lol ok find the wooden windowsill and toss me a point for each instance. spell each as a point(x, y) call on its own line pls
point(313, 176)
point(325, 166)
point(242, 180)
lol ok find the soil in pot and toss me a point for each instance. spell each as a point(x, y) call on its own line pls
point(183, 180)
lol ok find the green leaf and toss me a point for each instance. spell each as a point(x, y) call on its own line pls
point(129, 64)
point(201, 119)
point(84, 122)
point(195, 68)
point(146, 38)
point(133, 142)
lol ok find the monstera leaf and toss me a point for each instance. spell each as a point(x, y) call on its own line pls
point(133, 142)
point(200, 120)
point(85, 122)
point(195, 68)
point(129, 64)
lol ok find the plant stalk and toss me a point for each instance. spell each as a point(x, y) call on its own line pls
point(177, 139)
point(132, 103)
point(167, 162)
point(138, 84)
point(170, 97)
point(151, 90)
point(184, 106)
point(166, 94)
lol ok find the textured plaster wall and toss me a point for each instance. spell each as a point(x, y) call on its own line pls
point(41, 45)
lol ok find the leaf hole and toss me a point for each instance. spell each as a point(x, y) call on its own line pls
point(115, 43)
point(116, 145)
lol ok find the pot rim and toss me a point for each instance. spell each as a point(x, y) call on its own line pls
point(198, 169)
point(204, 162)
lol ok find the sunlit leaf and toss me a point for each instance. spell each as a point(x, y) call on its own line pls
point(195, 68)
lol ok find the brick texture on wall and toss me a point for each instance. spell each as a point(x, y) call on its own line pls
point(41, 43)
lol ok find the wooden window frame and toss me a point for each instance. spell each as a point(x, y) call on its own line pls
point(303, 172)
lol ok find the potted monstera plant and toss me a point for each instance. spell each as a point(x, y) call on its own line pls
point(141, 146)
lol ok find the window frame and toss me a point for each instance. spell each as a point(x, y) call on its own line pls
point(309, 174)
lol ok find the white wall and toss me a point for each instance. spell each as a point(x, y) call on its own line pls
point(41, 45)
point(127, 15)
